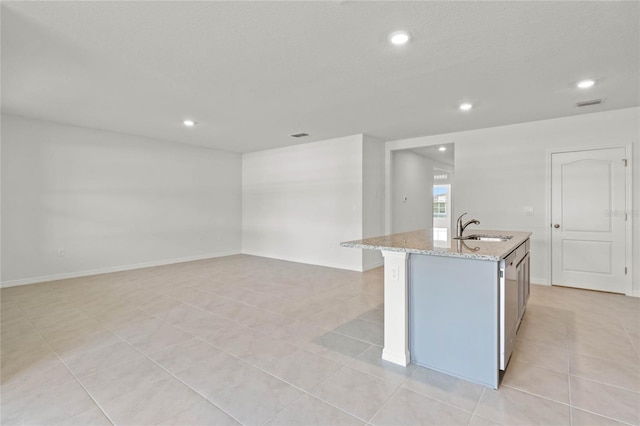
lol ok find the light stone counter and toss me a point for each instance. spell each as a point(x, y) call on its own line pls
point(422, 242)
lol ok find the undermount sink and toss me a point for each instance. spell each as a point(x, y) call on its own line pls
point(478, 237)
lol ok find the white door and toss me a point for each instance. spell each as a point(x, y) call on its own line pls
point(588, 219)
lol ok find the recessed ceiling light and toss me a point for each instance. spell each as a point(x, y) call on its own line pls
point(399, 37)
point(189, 123)
point(442, 149)
point(585, 84)
point(465, 106)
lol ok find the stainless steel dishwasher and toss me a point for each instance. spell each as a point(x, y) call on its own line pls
point(508, 307)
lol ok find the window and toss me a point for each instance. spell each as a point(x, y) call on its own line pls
point(440, 205)
point(441, 212)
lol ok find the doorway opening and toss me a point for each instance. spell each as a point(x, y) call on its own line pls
point(421, 188)
point(441, 209)
point(442, 200)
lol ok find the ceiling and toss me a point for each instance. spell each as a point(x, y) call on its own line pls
point(252, 73)
point(446, 157)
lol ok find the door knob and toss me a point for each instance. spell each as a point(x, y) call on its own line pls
point(557, 225)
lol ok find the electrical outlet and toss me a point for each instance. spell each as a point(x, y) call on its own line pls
point(394, 273)
point(60, 252)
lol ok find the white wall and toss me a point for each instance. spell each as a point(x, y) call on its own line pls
point(412, 178)
point(500, 170)
point(373, 197)
point(300, 202)
point(112, 201)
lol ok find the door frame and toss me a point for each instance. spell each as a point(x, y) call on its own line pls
point(401, 145)
point(628, 201)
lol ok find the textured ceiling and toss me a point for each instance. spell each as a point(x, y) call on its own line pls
point(251, 73)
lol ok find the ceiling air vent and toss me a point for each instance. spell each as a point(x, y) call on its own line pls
point(589, 103)
point(299, 135)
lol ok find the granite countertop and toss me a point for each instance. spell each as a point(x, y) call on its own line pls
point(422, 242)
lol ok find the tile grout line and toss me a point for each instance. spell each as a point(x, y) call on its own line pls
point(443, 402)
point(68, 369)
point(301, 348)
point(119, 364)
point(213, 293)
point(570, 403)
point(304, 390)
point(258, 308)
point(543, 367)
point(389, 398)
point(478, 404)
point(626, 333)
point(318, 384)
point(252, 365)
point(536, 395)
point(145, 355)
point(177, 325)
point(439, 400)
point(202, 340)
point(249, 327)
point(291, 384)
point(591, 355)
point(604, 383)
point(402, 386)
point(606, 417)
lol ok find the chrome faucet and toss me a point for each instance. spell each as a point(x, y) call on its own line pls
point(460, 227)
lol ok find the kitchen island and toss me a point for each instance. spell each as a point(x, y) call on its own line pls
point(453, 305)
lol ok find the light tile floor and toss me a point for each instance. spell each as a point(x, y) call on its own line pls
point(257, 341)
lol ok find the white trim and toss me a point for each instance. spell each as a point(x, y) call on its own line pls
point(540, 281)
point(547, 199)
point(629, 233)
point(628, 201)
point(305, 261)
point(396, 308)
point(373, 265)
point(400, 145)
point(387, 189)
point(399, 359)
point(47, 278)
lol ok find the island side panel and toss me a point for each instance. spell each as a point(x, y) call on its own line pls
point(396, 315)
point(453, 316)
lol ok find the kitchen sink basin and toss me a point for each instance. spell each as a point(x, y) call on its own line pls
point(478, 237)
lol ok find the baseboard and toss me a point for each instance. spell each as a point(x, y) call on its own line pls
point(545, 282)
point(539, 281)
point(47, 278)
point(305, 261)
point(397, 358)
point(374, 265)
